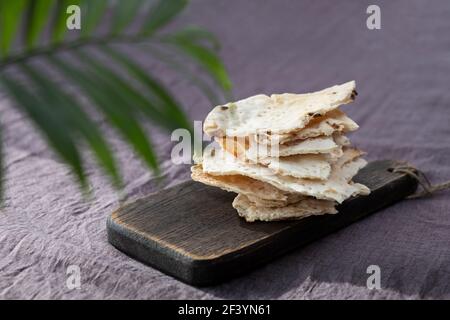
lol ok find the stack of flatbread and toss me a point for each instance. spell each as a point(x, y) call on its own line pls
point(286, 155)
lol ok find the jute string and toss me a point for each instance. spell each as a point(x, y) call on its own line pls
point(428, 188)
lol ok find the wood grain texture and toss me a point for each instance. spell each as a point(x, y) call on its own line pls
point(192, 232)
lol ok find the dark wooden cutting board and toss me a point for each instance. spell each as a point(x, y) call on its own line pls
point(192, 232)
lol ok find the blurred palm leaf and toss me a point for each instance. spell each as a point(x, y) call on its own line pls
point(100, 70)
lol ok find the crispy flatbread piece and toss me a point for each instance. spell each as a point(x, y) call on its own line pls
point(247, 148)
point(307, 159)
point(304, 166)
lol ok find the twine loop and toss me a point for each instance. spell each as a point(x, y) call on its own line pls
point(421, 178)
